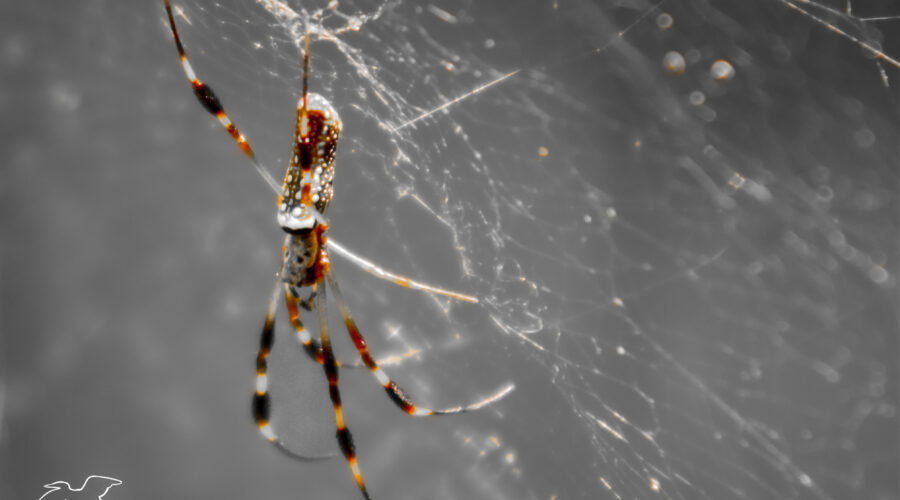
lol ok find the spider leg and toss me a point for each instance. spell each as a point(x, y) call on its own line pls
point(345, 439)
point(312, 346)
point(396, 394)
point(309, 303)
point(261, 403)
point(396, 279)
point(211, 103)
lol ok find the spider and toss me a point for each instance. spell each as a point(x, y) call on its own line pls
point(302, 200)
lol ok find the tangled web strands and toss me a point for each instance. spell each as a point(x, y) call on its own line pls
point(679, 242)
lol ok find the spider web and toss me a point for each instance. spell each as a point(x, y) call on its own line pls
point(680, 221)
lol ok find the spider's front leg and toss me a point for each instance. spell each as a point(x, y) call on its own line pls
point(309, 303)
point(261, 398)
point(345, 439)
point(294, 303)
point(397, 395)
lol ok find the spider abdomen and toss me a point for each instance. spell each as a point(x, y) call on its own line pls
point(307, 187)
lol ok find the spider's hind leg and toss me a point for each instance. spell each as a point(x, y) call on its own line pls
point(213, 105)
point(204, 92)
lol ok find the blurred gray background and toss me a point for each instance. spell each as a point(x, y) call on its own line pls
point(690, 278)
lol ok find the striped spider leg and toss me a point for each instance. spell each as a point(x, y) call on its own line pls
point(302, 200)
